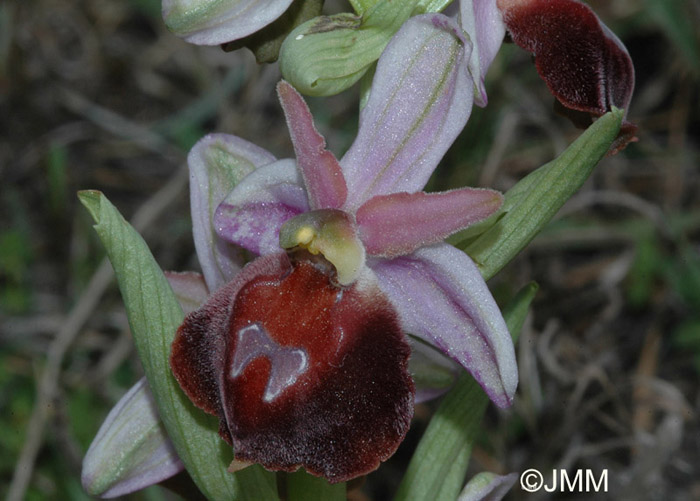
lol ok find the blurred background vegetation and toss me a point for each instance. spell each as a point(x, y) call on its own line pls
point(97, 94)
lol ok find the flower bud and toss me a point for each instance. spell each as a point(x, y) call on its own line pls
point(328, 54)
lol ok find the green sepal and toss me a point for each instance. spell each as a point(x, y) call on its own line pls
point(154, 316)
point(423, 6)
point(302, 486)
point(471, 233)
point(432, 5)
point(266, 43)
point(536, 198)
point(362, 6)
point(328, 54)
point(439, 464)
point(366, 85)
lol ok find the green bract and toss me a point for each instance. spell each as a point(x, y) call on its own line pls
point(531, 203)
point(328, 54)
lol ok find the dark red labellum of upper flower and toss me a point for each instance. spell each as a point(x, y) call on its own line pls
point(299, 371)
point(584, 64)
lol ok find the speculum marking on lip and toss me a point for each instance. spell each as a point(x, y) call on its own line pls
point(286, 363)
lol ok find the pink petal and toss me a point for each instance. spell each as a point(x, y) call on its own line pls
point(441, 298)
point(254, 211)
point(397, 224)
point(482, 21)
point(254, 226)
point(421, 98)
point(322, 175)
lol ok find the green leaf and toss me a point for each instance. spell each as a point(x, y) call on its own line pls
point(302, 486)
point(533, 201)
point(328, 54)
point(154, 316)
point(439, 465)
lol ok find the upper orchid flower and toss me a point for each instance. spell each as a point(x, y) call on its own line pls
point(586, 67)
point(303, 358)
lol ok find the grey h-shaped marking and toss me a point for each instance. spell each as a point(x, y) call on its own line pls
point(287, 363)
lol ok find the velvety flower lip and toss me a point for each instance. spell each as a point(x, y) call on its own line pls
point(420, 99)
point(585, 66)
point(299, 371)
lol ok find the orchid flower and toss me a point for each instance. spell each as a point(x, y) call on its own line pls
point(303, 356)
point(352, 253)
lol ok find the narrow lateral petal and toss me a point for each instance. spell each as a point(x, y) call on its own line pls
point(321, 171)
point(189, 288)
point(254, 211)
point(316, 375)
point(217, 163)
point(482, 21)
point(131, 450)
point(397, 224)
point(441, 298)
point(420, 100)
point(585, 66)
point(254, 226)
point(214, 22)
